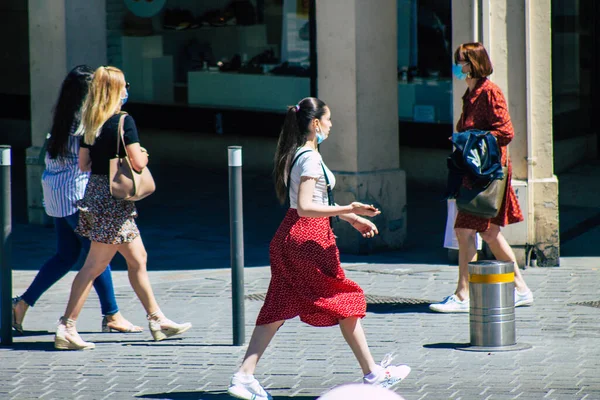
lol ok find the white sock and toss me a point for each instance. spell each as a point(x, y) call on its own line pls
point(374, 374)
point(244, 378)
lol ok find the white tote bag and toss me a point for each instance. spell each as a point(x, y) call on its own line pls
point(450, 241)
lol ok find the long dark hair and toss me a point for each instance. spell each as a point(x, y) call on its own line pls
point(293, 135)
point(67, 111)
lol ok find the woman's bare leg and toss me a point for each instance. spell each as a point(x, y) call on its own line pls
point(503, 252)
point(98, 258)
point(261, 337)
point(467, 250)
point(354, 334)
point(135, 254)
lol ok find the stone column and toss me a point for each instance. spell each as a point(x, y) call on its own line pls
point(517, 37)
point(357, 78)
point(62, 34)
point(545, 183)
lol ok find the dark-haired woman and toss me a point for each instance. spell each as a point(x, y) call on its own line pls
point(63, 185)
point(307, 280)
point(485, 109)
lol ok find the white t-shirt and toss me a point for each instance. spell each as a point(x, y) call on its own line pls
point(309, 164)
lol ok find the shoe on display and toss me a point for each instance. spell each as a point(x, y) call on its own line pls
point(243, 11)
point(523, 299)
point(451, 304)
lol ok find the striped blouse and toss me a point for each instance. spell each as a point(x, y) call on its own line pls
point(63, 182)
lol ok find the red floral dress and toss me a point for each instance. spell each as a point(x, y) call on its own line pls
point(307, 279)
point(485, 108)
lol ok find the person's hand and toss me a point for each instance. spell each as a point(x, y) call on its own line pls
point(364, 209)
point(365, 227)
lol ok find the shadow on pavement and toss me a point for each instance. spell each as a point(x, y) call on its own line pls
point(31, 333)
point(163, 344)
point(399, 308)
point(450, 346)
point(33, 346)
point(206, 396)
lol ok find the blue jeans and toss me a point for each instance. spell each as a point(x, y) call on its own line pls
point(68, 248)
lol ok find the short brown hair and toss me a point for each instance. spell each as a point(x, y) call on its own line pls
point(476, 55)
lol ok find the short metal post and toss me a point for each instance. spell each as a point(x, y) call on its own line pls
point(492, 306)
point(5, 248)
point(236, 229)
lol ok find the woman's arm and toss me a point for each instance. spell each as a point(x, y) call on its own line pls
point(306, 207)
point(499, 118)
point(85, 161)
point(138, 156)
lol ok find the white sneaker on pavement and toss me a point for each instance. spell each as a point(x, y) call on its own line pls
point(451, 304)
point(387, 375)
point(247, 387)
point(523, 299)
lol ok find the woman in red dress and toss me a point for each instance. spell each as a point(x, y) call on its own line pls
point(484, 108)
point(306, 277)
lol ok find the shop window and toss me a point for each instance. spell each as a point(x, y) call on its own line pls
point(424, 61)
point(574, 55)
point(244, 54)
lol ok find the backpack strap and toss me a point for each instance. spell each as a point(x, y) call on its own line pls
point(290, 170)
point(327, 183)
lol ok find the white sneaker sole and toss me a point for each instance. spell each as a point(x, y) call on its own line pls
point(443, 309)
point(524, 303)
point(244, 394)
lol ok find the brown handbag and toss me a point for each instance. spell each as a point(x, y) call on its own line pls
point(484, 202)
point(125, 182)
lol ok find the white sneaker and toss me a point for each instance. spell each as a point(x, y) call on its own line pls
point(523, 299)
point(388, 375)
point(451, 304)
point(247, 387)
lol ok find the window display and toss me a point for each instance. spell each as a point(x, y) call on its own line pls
point(216, 53)
point(256, 55)
point(424, 61)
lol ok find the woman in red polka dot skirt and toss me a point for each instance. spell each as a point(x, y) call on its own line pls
point(307, 280)
point(484, 108)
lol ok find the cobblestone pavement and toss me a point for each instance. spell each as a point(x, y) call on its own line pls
point(188, 259)
point(304, 362)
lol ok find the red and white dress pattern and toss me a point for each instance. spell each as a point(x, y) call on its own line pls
point(485, 108)
point(307, 279)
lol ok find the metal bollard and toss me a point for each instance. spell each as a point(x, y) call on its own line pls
point(236, 234)
point(5, 268)
point(492, 306)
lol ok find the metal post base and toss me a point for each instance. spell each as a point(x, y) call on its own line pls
point(494, 349)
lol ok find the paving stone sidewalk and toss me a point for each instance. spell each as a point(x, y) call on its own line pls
point(304, 362)
point(188, 257)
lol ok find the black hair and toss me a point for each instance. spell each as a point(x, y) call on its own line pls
point(67, 111)
point(293, 135)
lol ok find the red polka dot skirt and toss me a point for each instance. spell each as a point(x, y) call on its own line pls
point(307, 279)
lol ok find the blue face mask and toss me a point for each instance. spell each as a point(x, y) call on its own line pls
point(457, 71)
point(124, 99)
point(320, 137)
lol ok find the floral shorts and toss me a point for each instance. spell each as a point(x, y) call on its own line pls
point(104, 219)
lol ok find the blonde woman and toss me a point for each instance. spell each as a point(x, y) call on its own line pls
point(107, 222)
